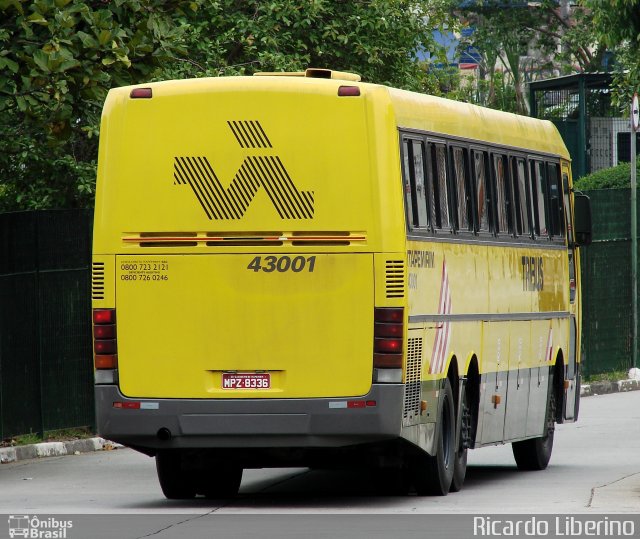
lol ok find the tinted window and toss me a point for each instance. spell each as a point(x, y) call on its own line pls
point(415, 184)
point(539, 190)
point(556, 206)
point(463, 201)
point(503, 195)
point(442, 218)
point(520, 197)
point(480, 176)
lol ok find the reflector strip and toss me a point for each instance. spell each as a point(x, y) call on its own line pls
point(337, 404)
point(351, 404)
point(127, 405)
point(211, 239)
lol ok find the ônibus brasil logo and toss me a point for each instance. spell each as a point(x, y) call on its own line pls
point(264, 171)
point(38, 528)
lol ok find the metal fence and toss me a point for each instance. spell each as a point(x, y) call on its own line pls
point(580, 106)
point(606, 280)
point(46, 372)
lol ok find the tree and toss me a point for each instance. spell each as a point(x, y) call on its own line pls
point(558, 39)
point(58, 59)
point(379, 39)
point(616, 23)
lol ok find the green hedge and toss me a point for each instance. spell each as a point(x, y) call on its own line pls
point(608, 178)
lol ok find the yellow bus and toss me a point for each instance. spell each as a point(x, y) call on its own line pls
point(302, 269)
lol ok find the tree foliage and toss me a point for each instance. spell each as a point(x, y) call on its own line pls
point(58, 59)
point(526, 42)
point(616, 23)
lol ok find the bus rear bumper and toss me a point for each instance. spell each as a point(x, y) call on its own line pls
point(150, 425)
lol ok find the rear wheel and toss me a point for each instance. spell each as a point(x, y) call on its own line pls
point(534, 454)
point(433, 475)
point(460, 463)
point(182, 476)
point(223, 483)
point(175, 483)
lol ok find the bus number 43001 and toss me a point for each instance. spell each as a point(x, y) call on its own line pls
point(282, 264)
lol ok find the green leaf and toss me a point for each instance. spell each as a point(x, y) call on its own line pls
point(104, 37)
point(6, 62)
point(42, 60)
point(37, 18)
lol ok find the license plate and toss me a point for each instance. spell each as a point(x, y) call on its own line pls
point(232, 380)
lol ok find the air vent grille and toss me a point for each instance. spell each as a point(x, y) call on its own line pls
point(412, 379)
point(97, 280)
point(395, 279)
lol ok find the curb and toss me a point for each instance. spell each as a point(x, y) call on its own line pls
point(55, 449)
point(602, 388)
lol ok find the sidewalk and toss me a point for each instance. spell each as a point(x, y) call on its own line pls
point(55, 449)
point(602, 388)
point(87, 445)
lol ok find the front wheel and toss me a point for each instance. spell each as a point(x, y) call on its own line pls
point(433, 475)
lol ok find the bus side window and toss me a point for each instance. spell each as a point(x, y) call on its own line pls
point(539, 190)
point(556, 206)
point(415, 184)
point(462, 189)
point(482, 194)
point(521, 196)
point(441, 195)
point(503, 195)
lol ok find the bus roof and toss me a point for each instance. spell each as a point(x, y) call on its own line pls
point(412, 110)
point(471, 122)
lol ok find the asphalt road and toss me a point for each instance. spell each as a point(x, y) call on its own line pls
point(595, 468)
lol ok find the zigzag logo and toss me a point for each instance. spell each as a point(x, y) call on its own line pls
point(256, 172)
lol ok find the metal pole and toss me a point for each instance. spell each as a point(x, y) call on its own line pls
point(634, 235)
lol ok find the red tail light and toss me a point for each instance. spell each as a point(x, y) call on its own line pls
point(388, 330)
point(388, 346)
point(388, 337)
point(104, 316)
point(104, 332)
point(105, 346)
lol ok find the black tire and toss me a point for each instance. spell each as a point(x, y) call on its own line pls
point(175, 483)
point(535, 453)
point(392, 482)
point(433, 475)
point(460, 462)
point(222, 483)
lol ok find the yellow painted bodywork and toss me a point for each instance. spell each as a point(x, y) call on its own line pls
point(313, 331)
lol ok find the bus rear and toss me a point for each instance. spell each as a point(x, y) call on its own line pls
point(242, 256)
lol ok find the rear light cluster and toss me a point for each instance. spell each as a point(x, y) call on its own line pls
point(387, 344)
point(105, 345)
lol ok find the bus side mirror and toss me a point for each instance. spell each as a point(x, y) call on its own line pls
point(582, 223)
